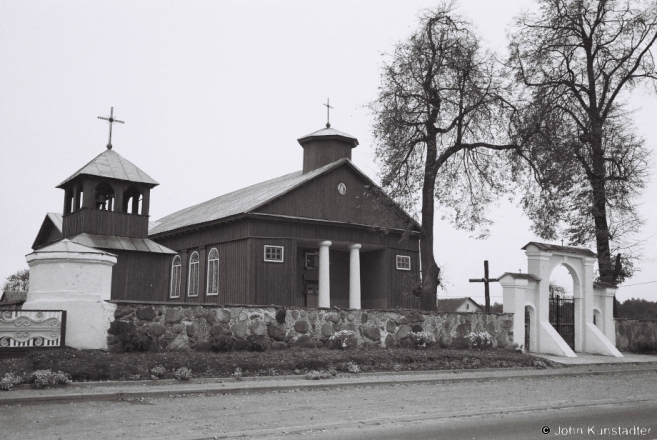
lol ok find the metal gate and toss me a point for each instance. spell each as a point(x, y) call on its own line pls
point(562, 318)
point(527, 328)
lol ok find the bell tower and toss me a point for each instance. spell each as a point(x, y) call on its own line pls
point(108, 196)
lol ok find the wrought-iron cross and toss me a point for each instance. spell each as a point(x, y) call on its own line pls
point(328, 107)
point(111, 120)
point(486, 281)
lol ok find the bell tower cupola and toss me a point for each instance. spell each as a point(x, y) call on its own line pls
point(325, 146)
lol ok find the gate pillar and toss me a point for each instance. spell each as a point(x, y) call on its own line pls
point(513, 288)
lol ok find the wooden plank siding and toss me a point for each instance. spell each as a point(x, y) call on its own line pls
point(319, 199)
point(374, 280)
point(245, 278)
point(339, 278)
point(95, 221)
point(275, 283)
point(141, 275)
point(402, 282)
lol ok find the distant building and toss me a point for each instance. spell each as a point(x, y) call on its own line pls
point(466, 304)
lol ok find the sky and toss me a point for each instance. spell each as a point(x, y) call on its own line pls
point(214, 95)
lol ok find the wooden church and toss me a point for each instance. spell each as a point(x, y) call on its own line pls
point(321, 237)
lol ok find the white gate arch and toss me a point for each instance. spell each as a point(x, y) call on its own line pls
point(532, 289)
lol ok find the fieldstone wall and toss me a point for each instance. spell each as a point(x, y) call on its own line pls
point(196, 327)
point(636, 334)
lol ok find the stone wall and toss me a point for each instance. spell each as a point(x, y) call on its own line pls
point(197, 327)
point(636, 335)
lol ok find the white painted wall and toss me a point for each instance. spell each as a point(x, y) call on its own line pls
point(78, 279)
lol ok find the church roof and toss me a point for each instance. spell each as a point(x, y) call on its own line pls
point(327, 133)
point(67, 245)
point(111, 164)
point(547, 247)
point(120, 243)
point(243, 200)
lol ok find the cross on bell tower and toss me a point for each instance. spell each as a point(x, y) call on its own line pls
point(111, 120)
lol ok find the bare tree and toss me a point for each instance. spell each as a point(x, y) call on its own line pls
point(435, 119)
point(577, 60)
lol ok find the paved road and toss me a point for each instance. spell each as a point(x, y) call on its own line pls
point(516, 408)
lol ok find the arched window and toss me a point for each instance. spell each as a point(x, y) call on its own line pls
point(175, 277)
point(213, 272)
point(104, 196)
point(192, 287)
point(132, 201)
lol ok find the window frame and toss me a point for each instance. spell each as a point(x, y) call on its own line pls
point(305, 260)
point(175, 275)
point(211, 270)
point(270, 260)
point(191, 273)
point(399, 259)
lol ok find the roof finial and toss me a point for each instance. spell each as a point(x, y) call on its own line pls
point(328, 124)
point(111, 120)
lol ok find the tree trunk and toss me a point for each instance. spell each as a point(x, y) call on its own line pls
point(599, 208)
point(430, 270)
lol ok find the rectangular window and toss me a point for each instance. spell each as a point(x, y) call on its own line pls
point(274, 254)
point(403, 262)
point(312, 260)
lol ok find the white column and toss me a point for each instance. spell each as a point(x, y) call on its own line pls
point(513, 291)
point(324, 299)
point(354, 276)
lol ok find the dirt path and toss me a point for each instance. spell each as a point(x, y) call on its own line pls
point(279, 413)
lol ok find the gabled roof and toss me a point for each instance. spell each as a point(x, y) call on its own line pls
point(245, 200)
point(451, 304)
point(329, 133)
point(547, 247)
point(50, 230)
point(111, 164)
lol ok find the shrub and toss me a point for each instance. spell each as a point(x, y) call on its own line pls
point(10, 380)
point(237, 374)
point(317, 375)
point(183, 373)
point(353, 367)
point(158, 372)
point(645, 347)
point(340, 340)
point(136, 341)
point(44, 378)
point(258, 343)
point(223, 343)
point(421, 339)
point(480, 340)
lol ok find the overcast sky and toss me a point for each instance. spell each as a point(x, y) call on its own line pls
point(214, 95)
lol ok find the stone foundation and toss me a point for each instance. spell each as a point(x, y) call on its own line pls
point(636, 335)
point(196, 327)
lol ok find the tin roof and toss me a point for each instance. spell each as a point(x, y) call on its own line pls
point(120, 243)
point(328, 132)
point(67, 245)
point(244, 200)
point(237, 202)
point(56, 220)
point(565, 249)
point(451, 304)
point(111, 164)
